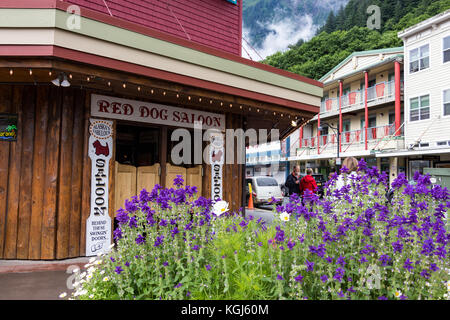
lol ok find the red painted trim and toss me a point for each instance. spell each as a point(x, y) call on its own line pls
point(240, 26)
point(301, 136)
point(397, 98)
point(340, 112)
point(109, 63)
point(318, 133)
point(94, 15)
point(366, 109)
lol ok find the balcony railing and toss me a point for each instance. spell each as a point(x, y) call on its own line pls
point(381, 92)
point(351, 137)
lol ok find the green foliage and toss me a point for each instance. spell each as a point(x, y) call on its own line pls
point(346, 32)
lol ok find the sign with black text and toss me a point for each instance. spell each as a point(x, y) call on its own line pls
point(98, 225)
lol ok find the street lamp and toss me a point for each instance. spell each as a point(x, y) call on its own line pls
point(336, 131)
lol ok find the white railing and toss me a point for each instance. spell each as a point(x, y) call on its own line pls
point(379, 93)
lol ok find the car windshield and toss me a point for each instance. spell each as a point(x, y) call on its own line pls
point(266, 182)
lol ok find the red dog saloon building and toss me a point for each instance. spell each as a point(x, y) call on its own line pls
point(91, 93)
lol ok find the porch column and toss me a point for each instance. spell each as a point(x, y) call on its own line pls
point(397, 98)
point(301, 136)
point(340, 111)
point(366, 110)
point(318, 133)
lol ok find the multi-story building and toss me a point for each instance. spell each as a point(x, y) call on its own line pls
point(427, 93)
point(363, 100)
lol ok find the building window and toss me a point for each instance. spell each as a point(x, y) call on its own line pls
point(420, 108)
point(447, 102)
point(447, 49)
point(419, 58)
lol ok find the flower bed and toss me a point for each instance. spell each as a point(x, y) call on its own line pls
point(352, 244)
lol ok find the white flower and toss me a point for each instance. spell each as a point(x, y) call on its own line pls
point(98, 262)
point(89, 276)
point(63, 295)
point(83, 275)
point(220, 207)
point(94, 289)
point(102, 272)
point(90, 270)
point(284, 216)
point(91, 296)
point(76, 284)
point(105, 279)
point(398, 293)
point(111, 246)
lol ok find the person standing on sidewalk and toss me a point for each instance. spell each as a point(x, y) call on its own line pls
point(293, 182)
point(308, 182)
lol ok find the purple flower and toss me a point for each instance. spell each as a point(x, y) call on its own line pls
point(363, 259)
point(158, 241)
point(425, 274)
point(291, 244)
point(130, 206)
point(133, 222)
point(118, 234)
point(140, 239)
point(178, 181)
point(329, 259)
point(385, 259)
point(398, 246)
point(208, 267)
point(280, 234)
point(309, 265)
point(339, 274)
point(299, 278)
point(434, 267)
point(118, 270)
point(408, 265)
point(195, 248)
point(178, 285)
point(279, 277)
point(260, 244)
point(341, 261)
point(112, 259)
point(127, 264)
point(324, 278)
point(382, 298)
point(341, 294)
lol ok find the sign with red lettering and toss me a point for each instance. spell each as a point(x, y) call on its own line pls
point(132, 110)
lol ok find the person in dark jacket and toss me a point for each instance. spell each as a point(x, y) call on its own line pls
point(293, 182)
point(308, 182)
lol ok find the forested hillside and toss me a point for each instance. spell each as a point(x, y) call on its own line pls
point(347, 32)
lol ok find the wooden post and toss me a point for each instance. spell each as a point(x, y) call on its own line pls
point(366, 110)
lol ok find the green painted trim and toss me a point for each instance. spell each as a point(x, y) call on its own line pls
point(390, 59)
point(53, 18)
point(360, 53)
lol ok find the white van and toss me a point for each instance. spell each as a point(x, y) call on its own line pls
point(263, 189)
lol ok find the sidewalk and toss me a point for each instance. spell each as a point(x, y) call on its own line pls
point(36, 280)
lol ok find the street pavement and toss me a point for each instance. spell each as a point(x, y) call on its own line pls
point(41, 285)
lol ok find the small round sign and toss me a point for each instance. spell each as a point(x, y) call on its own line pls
point(101, 129)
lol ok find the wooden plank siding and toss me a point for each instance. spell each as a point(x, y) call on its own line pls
point(45, 175)
point(42, 173)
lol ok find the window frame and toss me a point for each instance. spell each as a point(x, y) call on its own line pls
point(419, 58)
point(443, 49)
point(444, 102)
point(420, 107)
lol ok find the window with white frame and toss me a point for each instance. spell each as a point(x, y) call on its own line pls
point(447, 102)
point(447, 49)
point(419, 58)
point(419, 108)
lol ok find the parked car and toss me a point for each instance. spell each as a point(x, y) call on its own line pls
point(263, 189)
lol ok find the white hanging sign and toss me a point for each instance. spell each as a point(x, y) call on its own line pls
point(98, 225)
point(216, 159)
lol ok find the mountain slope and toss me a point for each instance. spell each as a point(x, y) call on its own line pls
point(317, 56)
point(265, 21)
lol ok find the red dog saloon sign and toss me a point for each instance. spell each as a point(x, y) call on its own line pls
point(98, 225)
point(132, 110)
